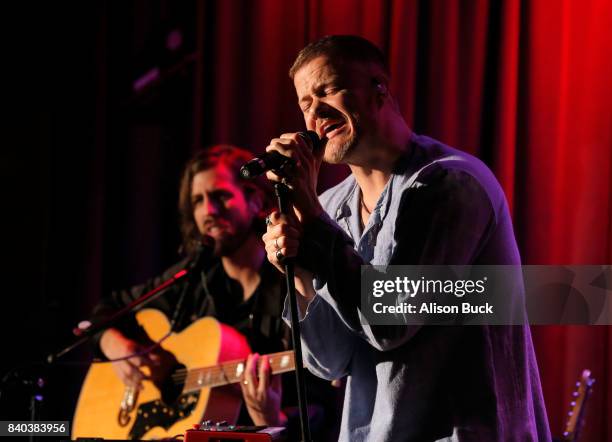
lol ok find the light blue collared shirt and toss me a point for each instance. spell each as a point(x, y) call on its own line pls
point(405, 383)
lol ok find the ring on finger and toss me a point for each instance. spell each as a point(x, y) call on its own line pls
point(279, 256)
point(276, 244)
point(268, 220)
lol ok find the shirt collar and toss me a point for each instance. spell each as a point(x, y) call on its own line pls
point(350, 203)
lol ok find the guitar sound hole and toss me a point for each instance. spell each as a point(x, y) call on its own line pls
point(172, 387)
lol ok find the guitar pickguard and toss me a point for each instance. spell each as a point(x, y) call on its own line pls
point(158, 414)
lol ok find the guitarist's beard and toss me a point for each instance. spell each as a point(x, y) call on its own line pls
point(227, 233)
point(229, 244)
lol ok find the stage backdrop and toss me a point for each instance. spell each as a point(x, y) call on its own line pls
point(524, 85)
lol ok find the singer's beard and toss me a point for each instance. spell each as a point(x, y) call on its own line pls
point(339, 153)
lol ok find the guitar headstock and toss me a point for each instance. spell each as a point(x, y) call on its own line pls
point(576, 415)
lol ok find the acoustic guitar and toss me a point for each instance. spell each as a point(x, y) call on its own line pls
point(211, 356)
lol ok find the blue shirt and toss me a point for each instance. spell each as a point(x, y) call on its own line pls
point(405, 383)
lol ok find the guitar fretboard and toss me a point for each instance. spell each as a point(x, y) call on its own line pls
point(231, 372)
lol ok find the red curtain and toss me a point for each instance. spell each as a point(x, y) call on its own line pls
point(526, 86)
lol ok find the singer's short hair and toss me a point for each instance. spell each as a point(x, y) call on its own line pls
point(346, 48)
point(232, 158)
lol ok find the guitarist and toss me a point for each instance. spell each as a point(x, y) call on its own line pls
point(238, 287)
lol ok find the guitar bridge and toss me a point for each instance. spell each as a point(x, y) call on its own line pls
point(128, 401)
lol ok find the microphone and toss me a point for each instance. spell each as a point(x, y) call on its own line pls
point(275, 161)
point(204, 253)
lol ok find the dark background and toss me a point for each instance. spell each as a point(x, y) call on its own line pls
point(90, 166)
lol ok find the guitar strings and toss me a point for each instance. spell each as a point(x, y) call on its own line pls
point(273, 357)
point(182, 375)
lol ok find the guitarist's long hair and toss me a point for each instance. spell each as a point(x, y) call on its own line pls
point(233, 158)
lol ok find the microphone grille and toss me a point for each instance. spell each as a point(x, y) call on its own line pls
point(311, 137)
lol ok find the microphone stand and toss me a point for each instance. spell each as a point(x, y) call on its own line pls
point(282, 195)
point(86, 334)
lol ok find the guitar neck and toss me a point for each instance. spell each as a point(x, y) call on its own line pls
point(584, 387)
point(231, 372)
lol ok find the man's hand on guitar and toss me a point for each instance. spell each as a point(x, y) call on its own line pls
point(262, 392)
point(159, 362)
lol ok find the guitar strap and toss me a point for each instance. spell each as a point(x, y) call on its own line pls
point(179, 309)
point(207, 303)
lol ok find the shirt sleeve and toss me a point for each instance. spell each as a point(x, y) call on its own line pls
point(327, 344)
point(444, 221)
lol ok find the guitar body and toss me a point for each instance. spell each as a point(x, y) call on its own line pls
point(206, 342)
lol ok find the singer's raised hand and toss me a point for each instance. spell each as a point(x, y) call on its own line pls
point(302, 180)
point(282, 238)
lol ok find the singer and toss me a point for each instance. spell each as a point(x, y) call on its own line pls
point(409, 200)
point(238, 287)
